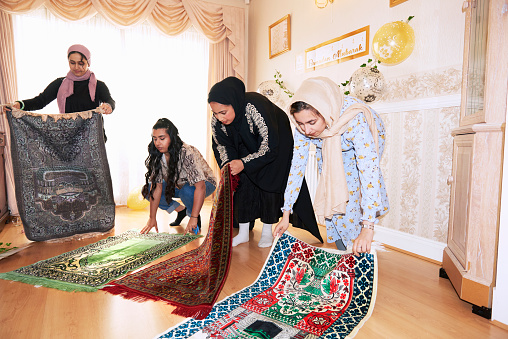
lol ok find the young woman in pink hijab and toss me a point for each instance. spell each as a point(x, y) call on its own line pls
point(78, 91)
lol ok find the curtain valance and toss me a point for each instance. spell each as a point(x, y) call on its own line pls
point(171, 17)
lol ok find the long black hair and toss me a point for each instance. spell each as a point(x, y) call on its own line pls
point(153, 161)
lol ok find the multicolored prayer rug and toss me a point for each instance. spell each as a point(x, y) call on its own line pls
point(90, 267)
point(191, 281)
point(61, 172)
point(302, 292)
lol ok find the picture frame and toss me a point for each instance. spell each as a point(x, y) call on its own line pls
point(279, 36)
point(394, 3)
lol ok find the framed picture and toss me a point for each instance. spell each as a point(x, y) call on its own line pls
point(279, 36)
point(396, 2)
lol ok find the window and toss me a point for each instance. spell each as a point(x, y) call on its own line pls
point(150, 76)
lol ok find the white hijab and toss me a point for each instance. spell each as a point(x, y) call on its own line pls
point(326, 97)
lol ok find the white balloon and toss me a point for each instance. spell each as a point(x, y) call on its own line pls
point(271, 90)
point(367, 84)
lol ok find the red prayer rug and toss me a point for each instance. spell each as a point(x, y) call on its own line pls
point(192, 281)
point(302, 292)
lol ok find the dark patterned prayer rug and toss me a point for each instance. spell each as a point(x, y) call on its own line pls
point(89, 267)
point(191, 281)
point(302, 292)
point(61, 173)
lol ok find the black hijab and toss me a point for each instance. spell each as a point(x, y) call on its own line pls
point(230, 91)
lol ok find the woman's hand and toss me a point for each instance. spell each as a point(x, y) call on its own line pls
point(191, 225)
point(236, 166)
point(364, 240)
point(199, 198)
point(15, 105)
point(106, 108)
point(151, 223)
point(282, 226)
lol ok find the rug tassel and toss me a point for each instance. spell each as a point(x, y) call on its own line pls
point(40, 281)
point(196, 312)
point(128, 293)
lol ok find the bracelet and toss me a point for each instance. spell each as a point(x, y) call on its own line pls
point(193, 217)
point(21, 103)
point(370, 227)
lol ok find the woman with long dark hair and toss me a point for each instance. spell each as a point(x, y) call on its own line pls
point(179, 171)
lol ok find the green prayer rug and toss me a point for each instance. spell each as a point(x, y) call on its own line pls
point(90, 267)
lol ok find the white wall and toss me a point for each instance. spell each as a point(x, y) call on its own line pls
point(500, 293)
point(438, 26)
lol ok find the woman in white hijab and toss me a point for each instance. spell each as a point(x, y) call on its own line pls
point(349, 138)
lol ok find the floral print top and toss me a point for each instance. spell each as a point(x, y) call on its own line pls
point(367, 191)
point(192, 168)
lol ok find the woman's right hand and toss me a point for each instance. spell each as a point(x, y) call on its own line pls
point(151, 223)
point(15, 105)
point(282, 226)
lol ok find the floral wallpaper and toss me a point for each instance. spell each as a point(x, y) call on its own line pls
point(418, 155)
point(424, 85)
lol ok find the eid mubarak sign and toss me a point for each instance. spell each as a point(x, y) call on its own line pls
point(346, 47)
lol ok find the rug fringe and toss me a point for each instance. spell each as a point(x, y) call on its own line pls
point(128, 293)
point(39, 281)
point(378, 246)
point(197, 312)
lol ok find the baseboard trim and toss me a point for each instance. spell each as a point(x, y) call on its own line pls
point(411, 244)
point(451, 100)
point(500, 324)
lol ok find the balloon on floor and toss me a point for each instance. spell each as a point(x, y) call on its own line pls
point(136, 201)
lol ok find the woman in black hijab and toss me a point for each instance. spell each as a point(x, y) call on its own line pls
point(254, 136)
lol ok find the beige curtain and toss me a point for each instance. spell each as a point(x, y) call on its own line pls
point(223, 25)
point(172, 17)
point(8, 93)
point(225, 56)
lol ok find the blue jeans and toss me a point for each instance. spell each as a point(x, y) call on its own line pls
point(186, 195)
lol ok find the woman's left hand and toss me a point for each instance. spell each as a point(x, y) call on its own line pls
point(363, 242)
point(191, 225)
point(106, 108)
point(236, 166)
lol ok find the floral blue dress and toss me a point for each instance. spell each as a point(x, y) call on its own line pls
point(367, 191)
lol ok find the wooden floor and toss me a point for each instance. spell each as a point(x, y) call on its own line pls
point(412, 301)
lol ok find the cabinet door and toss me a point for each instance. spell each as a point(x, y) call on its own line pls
point(460, 196)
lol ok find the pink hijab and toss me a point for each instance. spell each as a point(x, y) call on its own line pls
point(67, 87)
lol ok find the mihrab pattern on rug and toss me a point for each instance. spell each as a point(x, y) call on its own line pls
point(193, 280)
point(302, 292)
point(61, 171)
point(88, 268)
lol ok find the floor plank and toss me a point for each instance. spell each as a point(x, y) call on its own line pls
point(412, 301)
